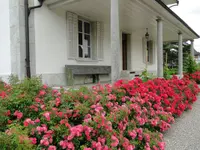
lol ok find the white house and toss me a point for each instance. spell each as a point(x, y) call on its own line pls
point(83, 41)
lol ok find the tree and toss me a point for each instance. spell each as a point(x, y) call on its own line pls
point(171, 53)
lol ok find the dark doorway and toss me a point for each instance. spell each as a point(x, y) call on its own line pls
point(124, 51)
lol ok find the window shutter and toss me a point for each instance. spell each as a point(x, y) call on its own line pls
point(97, 36)
point(144, 43)
point(72, 34)
point(151, 52)
point(100, 37)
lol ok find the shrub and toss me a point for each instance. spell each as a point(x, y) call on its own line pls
point(194, 76)
point(145, 76)
point(190, 65)
point(128, 115)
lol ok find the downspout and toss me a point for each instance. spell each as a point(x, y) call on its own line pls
point(27, 10)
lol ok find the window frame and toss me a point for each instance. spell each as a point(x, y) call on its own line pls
point(148, 51)
point(83, 36)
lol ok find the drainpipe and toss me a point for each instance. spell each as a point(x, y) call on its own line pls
point(27, 10)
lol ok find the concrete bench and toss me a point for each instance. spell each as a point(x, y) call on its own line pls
point(94, 71)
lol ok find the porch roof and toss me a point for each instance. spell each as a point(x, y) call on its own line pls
point(176, 16)
point(144, 12)
point(168, 2)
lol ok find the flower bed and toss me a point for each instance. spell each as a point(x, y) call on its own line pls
point(128, 115)
point(194, 76)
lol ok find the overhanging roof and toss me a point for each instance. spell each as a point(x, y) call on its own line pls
point(177, 17)
point(169, 2)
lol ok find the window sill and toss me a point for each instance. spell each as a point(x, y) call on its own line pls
point(85, 60)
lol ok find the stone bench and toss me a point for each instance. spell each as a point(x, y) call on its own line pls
point(94, 71)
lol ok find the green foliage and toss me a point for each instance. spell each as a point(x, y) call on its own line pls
point(13, 79)
point(16, 138)
point(168, 73)
point(190, 65)
point(145, 76)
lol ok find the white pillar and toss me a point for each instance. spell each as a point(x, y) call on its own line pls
point(115, 41)
point(180, 55)
point(159, 48)
point(192, 48)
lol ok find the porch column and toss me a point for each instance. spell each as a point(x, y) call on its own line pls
point(192, 48)
point(159, 48)
point(115, 41)
point(180, 54)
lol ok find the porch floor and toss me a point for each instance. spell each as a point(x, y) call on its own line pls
point(185, 132)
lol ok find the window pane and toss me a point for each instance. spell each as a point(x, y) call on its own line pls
point(87, 38)
point(88, 53)
point(80, 38)
point(87, 27)
point(80, 27)
point(80, 53)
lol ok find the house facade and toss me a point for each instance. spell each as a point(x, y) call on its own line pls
point(84, 41)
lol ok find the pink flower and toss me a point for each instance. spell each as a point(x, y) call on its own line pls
point(18, 114)
point(52, 147)
point(45, 86)
point(3, 94)
point(58, 102)
point(139, 131)
point(87, 149)
point(147, 137)
point(161, 145)
point(42, 93)
point(63, 144)
point(47, 116)
point(33, 140)
point(115, 141)
point(132, 134)
point(28, 121)
point(131, 147)
point(8, 113)
point(44, 142)
point(37, 120)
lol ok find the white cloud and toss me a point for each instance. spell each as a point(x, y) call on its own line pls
point(189, 11)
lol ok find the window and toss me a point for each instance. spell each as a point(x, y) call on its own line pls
point(148, 51)
point(84, 39)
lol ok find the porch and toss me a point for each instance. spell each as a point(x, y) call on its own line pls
point(105, 33)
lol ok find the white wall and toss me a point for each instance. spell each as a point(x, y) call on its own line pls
point(137, 56)
point(5, 55)
point(51, 43)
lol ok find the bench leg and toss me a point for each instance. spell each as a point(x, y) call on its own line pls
point(95, 78)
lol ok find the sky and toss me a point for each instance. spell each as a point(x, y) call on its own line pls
point(189, 11)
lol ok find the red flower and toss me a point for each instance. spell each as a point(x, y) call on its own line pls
point(3, 94)
point(33, 140)
point(18, 114)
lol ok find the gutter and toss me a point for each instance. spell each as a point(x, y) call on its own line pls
point(177, 17)
point(27, 10)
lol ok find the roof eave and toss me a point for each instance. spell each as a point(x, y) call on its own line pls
point(177, 17)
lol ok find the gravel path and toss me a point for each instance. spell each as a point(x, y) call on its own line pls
point(185, 132)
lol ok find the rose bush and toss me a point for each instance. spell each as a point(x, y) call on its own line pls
point(194, 76)
point(125, 116)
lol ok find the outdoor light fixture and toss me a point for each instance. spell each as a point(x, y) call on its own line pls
point(147, 34)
